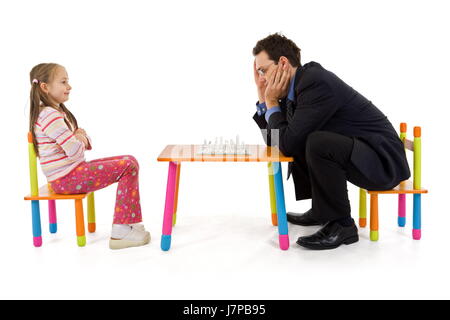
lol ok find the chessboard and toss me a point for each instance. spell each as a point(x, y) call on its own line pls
point(223, 147)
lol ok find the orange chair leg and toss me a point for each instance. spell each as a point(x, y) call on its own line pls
point(79, 219)
point(374, 217)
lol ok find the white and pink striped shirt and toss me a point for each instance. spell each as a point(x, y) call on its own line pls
point(59, 150)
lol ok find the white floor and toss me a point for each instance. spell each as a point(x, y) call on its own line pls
point(223, 247)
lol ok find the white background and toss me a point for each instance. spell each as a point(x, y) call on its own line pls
point(146, 74)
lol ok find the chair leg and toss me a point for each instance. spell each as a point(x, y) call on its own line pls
point(36, 222)
point(401, 210)
point(177, 184)
point(374, 217)
point(281, 207)
point(273, 202)
point(52, 216)
point(417, 233)
point(91, 212)
point(166, 237)
point(362, 208)
point(79, 218)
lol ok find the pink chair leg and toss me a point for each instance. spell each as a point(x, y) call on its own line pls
point(401, 210)
point(52, 216)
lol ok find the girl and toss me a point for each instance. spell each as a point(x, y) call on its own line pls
point(60, 146)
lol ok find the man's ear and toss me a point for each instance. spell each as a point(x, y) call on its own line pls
point(44, 87)
point(284, 61)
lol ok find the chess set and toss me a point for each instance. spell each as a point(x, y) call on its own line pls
point(221, 147)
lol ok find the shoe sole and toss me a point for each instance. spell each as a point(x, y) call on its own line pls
point(346, 242)
point(305, 224)
point(122, 244)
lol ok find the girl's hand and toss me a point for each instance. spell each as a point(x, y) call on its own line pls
point(80, 131)
point(82, 137)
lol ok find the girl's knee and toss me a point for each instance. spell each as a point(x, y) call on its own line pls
point(133, 161)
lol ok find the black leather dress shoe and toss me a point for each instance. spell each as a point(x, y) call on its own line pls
point(331, 236)
point(302, 219)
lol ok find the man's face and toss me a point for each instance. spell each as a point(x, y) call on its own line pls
point(264, 65)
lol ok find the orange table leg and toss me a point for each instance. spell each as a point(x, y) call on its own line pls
point(175, 205)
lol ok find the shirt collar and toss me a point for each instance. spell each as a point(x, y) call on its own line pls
point(291, 92)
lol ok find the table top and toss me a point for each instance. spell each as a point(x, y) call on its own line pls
point(191, 152)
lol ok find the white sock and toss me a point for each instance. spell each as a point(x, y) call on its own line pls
point(119, 231)
point(135, 224)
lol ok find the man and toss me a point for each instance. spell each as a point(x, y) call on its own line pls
point(333, 133)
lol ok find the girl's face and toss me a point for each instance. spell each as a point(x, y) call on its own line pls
point(59, 89)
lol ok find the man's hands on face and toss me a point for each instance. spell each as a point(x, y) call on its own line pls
point(277, 85)
point(261, 84)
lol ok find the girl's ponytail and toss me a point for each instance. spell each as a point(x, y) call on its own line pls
point(70, 117)
point(35, 101)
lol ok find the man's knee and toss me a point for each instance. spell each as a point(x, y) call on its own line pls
point(330, 145)
point(316, 141)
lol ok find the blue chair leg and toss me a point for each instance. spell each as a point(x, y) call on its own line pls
point(417, 223)
point(281, 207)
point(36, 222)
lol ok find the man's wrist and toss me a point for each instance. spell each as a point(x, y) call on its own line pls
point(261, 97)
point(271, 111)
point(270, 103)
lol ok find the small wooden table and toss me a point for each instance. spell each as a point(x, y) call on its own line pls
point(175, 154)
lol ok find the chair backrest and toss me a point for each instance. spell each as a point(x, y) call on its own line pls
point(34, 186)
point(416, 148)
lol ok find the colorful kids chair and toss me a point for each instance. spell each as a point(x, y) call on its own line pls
point(45, 193)
point(405, 187)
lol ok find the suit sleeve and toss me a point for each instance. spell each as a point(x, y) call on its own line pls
point(260, 119)
point(316, 104)
point(262, 124)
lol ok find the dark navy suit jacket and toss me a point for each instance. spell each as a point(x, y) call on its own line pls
point(326, 103)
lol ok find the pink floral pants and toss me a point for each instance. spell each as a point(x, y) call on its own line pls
point(100, 173)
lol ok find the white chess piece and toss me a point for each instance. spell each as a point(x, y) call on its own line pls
point(226, 146)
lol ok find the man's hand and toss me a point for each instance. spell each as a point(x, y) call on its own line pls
point(260, 84)
point(277, 85)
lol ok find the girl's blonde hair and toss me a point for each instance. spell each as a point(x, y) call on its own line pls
point(44, 72)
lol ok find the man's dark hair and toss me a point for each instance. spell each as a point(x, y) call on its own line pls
point(277, 45)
